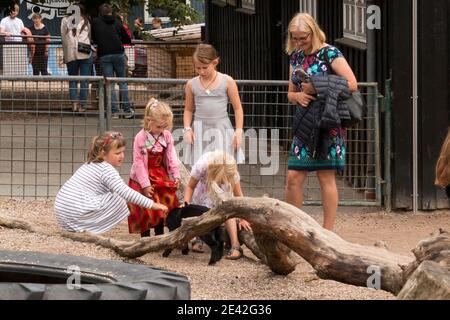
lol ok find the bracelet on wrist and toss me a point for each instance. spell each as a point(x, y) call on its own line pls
point(186, 129)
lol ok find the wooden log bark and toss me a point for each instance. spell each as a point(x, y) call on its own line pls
point(247, 238)
point(277, 255)
point(331, 256)
point(435, 249)
point(430, 281)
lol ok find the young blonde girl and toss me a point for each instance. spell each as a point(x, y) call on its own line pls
point(155, 172)
point(207, 99)
point(95, 198)
point(213, 177)
point(443, 166)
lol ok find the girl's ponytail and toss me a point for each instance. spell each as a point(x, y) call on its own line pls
point(94, 150)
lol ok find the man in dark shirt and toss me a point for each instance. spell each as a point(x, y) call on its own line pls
point(109, 35)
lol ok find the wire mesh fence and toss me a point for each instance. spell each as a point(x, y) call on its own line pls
point(154, 59)
point(43, 141)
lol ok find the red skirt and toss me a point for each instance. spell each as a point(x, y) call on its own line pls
point(164, 192)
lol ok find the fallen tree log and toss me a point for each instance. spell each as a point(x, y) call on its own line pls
point(430, 281)
point(279, 228)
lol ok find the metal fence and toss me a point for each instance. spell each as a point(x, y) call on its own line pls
point(42, 141)
point(155, 59)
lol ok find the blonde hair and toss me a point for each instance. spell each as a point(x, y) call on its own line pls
point(36, 15)
point(303, 22)
point(221, 170)
point(158, 112)
point(205, 53)
point(443, 164)
point(102, 144)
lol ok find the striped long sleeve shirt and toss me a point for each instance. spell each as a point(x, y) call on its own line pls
point(95, 199)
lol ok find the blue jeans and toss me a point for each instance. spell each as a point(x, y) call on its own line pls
point(114, 65)
point(83, 68)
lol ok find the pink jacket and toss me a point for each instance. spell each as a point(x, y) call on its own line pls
point(139, 169)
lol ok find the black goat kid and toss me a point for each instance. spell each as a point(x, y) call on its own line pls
point(214, 238)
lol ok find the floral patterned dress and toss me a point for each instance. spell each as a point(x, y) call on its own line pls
point(142, 219)
point(330, 153)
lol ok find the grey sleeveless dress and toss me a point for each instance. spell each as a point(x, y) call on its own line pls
point(212, 126)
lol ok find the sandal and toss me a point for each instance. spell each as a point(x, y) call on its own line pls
point(197, 245)
point(231, 255)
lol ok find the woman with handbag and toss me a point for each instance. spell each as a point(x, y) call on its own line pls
point(76, 40)
point(310, 55)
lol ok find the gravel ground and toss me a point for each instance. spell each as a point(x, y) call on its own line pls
point(246, 278)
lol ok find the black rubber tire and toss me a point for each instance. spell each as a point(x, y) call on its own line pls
point(101, 279)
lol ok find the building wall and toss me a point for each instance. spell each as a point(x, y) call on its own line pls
point(243, 41)
point(251, 46)
point(245, 37)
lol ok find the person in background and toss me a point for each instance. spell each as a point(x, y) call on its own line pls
point(125, 25)
point(156, 23)
point(79, 63)
point(39, 60)
point(12, 25)
point(126, 46)
point(138, 28)
point(109, 35)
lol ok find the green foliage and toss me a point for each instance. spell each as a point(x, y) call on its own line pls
point(122, 6)
point(178, 12)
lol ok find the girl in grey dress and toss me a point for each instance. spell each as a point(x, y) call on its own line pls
point(207, 99)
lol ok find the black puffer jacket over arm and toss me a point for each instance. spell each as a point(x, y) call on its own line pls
point(324, 113)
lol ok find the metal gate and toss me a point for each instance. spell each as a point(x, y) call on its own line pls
point(42, 141)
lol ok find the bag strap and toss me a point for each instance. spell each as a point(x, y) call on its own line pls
point(327, 60)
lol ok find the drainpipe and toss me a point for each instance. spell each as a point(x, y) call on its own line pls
point(415, 100)
point(371, 180)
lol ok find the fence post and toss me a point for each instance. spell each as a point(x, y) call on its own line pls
point(101, 105)
point(108, 90)
point(387, 146)
point(370, 183)
point(377, 156)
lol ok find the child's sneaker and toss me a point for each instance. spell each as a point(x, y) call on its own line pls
point(128, 114)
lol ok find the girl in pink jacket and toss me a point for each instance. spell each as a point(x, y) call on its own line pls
point(155, 172)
